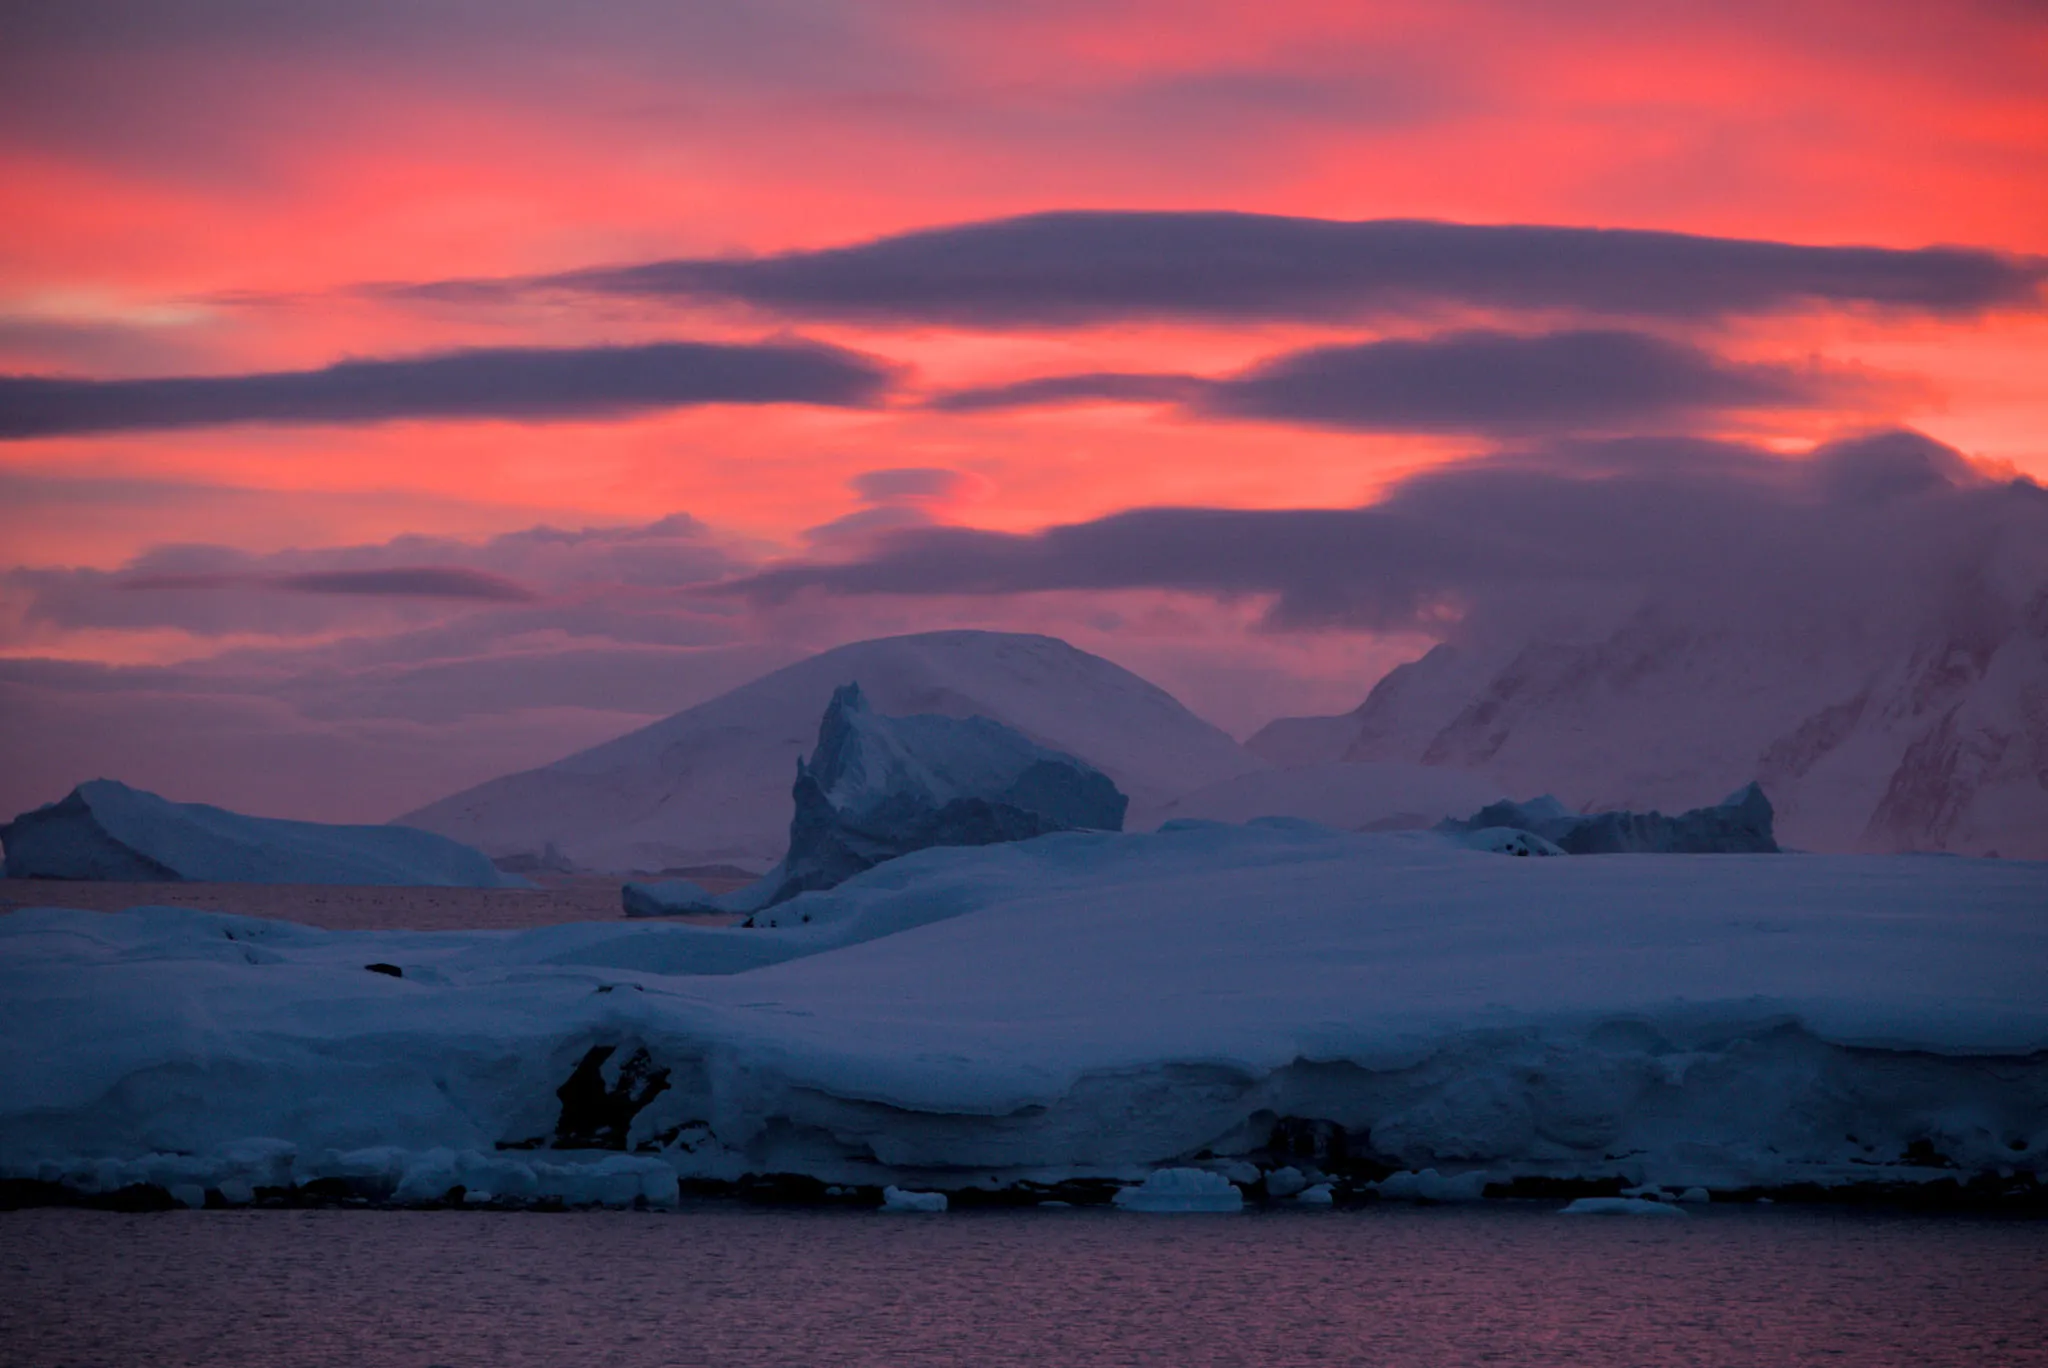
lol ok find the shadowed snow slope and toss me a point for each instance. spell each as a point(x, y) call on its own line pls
point(878, 788)
point(106, 830)
point(711, 785)
point(1077, 1004)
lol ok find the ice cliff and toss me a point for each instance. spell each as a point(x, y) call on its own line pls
point(1740, 824)
point(877, 788)
point(104, 829)
point(1083, 1006)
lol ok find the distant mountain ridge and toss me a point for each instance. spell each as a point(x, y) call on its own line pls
point(1941, 745)
point(711, 785)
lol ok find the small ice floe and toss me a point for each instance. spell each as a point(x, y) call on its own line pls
point(1285, 1182)
point(1182, 1189)
point(1431, 1186)
point(1319, 1195)
point(1620, 1206)
point(1695, 1195)
point(899, 1199)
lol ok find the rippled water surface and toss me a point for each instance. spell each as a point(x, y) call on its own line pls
point(734, 1286)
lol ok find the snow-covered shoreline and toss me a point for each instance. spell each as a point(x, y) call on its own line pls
point(1075, 1007)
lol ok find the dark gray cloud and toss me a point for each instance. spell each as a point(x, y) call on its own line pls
point(1123, 387)
point(529, 384)
point(417, 581)
point(908, 484)
point(623, 583)
point(1464, 382)
point(1555, 525)
point(1071, 268)
point(413, 581)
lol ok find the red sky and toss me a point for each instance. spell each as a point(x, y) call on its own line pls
point(231, 187)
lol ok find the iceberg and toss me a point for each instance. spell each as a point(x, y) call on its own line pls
point(709, 786)
point(877, 788)
point(1180, 1190)
point(1740, 824)
point(1084, 1008)
point(1620, 1206)
point(104, 829)
point(900, 1199)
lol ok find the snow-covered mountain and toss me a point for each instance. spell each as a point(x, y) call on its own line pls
point(1932, 737)
point(712, 785)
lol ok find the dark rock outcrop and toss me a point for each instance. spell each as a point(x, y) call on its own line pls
point(1739, 825)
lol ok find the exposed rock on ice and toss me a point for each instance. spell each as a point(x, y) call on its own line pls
point(1182, 1189)
point(1739, 825)
point(1620, 1206)
point(1503, 840)
point(106, 830)
point(1079, 1006)
point(878, 788)
point(710, 786)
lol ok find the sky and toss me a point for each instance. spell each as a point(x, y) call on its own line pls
point(396, 394)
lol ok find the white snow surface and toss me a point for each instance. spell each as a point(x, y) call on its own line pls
point(1381, 795)
point(106, 830)
point(1080, 1004)
point(711, 785)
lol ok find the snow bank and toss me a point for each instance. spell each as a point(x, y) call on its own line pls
point(1738, 825)
point(106, 830)
point(1080, 1005)
point(878, 788)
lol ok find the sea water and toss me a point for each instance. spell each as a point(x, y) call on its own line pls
point(1506, 1283)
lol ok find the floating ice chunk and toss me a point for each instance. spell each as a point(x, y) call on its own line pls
point(1285, 1182)
point(1695, 1195)
point(1319, 1195)
point(1431, 1186)
point(901, 1199)
point(1620, 1206)
point(1182, 1189)
point(235, 1192)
